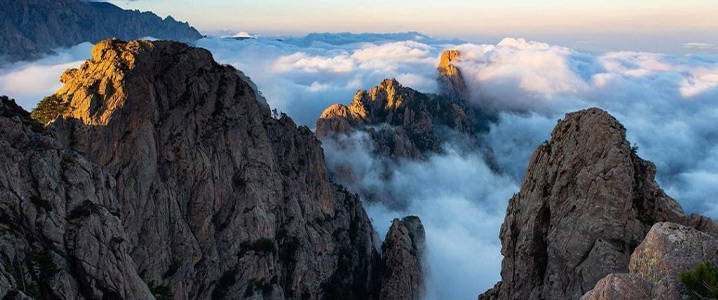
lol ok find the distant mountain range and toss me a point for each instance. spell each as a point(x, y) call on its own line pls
point(32, 28)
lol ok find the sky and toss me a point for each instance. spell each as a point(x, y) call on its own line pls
point(589, 25)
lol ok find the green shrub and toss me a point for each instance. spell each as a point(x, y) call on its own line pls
point(546, 146)
point(702, 281)
point(48, 109)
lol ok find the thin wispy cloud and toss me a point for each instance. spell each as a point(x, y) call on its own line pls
point(700, 46)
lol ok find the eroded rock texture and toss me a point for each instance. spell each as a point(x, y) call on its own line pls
point(402, 254)
point(586, 202)
point(394, 124)
point(402, 122)
point(218, 199)
point(450, 80)
point(60, 231)
point(656, 264)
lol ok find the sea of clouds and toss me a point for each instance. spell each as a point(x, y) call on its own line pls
point(669, 105)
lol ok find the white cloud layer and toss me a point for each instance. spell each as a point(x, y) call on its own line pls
point(29, 82)
point(460, 201)
point(669, 105)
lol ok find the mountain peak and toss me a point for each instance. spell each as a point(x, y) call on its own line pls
point(403, 251)
point(217, 197)
point(102, 85)
point(586, 202)
point(389, 83)
point(448, 57)
point(451, 82)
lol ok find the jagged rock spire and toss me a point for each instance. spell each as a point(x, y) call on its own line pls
point(403, 252)
point(451, 82)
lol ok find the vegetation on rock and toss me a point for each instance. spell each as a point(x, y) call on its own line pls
point(702, 281)
point(48, 109)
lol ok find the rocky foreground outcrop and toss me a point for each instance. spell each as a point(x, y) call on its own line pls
point(199, 192)
point(656, 264)
point(586, 202)
point(32, 28)
point(60, 232)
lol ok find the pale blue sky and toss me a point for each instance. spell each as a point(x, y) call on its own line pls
point(642, 24)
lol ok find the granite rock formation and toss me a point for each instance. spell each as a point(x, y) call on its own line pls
point(450, 80)
point(195, 188)
point(60, 231)
point(392, 123)
point(219, 198)
point(586, 202)
point(402, 122)
point(656, 264)
point(402, 253)
point(32, 28)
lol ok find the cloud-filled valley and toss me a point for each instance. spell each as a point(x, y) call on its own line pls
point(669, 105)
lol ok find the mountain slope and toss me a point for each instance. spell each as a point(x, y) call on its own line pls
point(218, 198)
point(32, 28)
point(655, 266)
point(60, 235)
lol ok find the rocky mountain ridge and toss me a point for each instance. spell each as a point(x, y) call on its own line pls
point(405, 123)
point(211, 196)
point(402, 122)
point(394, 124)
point(32, 28)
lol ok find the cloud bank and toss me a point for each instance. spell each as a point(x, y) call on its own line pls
point(668, 104)
point(460, 201)
point(29, 82)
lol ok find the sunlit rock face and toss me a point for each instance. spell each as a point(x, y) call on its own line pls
point(393, 123)
point(586, 202)
point(451, 82)
point(32, 28)
point(218, 199)
point(402, 122)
